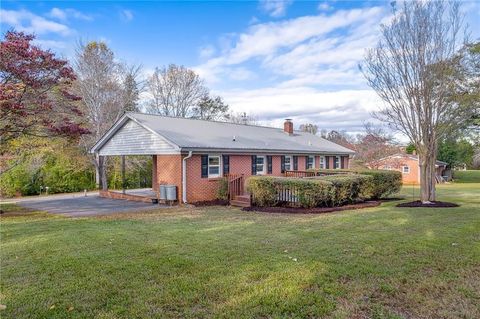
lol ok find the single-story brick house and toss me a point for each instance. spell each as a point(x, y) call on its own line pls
point(194, 154)
point(408, 165)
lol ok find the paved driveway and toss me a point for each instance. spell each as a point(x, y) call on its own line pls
point(77, 205)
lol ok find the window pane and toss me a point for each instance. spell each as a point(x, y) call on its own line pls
point(214, 170)
point(214, 160)
point(310, 162)
point(260, 160)
point(260, 168)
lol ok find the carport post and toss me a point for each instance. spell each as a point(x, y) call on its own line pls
point(123, 174)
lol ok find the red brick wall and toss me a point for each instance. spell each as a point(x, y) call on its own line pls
point(198, 188)
point(346, 162)
point(301, 163)
point(331, 160)
point(168, 170)
point(117, 195)
point(397, 163)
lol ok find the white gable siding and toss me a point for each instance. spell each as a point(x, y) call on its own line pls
point(133, 139)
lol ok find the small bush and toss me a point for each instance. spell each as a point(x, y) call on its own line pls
point(309, 192)
point(222, 192)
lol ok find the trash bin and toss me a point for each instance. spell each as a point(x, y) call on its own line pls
point(171, 191)
point(163, 192)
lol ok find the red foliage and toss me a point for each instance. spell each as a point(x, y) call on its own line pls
point(35, 96)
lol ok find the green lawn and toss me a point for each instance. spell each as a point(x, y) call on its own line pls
point(382, 262)
point(470, 176)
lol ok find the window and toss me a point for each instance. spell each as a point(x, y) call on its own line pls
point(405, 169)
point(310, 162)
point(213, 166)
point(322, 162)
point(336, 163)
point(260, 165)
point(288, 163)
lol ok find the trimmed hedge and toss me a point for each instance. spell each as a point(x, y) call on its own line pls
point(385, 182)
point(328, 190)
point(309, 192)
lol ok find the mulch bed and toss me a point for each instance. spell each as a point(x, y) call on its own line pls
point(215, 202)
point(434, 204)
point(315, 210)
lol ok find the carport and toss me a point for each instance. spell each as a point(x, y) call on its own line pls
point(129, 138)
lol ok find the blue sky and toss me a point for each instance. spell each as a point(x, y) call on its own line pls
point(271, 59)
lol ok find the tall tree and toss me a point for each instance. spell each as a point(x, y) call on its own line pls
point(241, 118)
point(107, 92)
point(456, 151)
point(373, 145)
point(340, 138)
point(410, 69)
point(132, 86)
point(309, 127)
point(210, 108)
point(175, 91)
point(35, 91)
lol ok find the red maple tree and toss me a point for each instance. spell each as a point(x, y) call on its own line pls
point(35, 91)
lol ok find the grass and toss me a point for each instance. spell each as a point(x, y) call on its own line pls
point(469, 176)
point(382, 262)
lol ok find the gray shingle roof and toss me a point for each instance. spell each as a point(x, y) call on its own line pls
point(192, 134)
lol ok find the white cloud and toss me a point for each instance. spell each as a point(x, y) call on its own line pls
point(308, 65)
point(126, 15)
point(343, 109)
point(58, 13)
point(275, 8)
point(63, 14)
point(49, 44)
point(300, 46)
point(207, 51)
point(23, 20)
point(324, 6)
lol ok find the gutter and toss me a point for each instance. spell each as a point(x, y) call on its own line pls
point(264, 151)
point(184, 177)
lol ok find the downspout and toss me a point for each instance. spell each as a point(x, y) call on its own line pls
point(184, 177)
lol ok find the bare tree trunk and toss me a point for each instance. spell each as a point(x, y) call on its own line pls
point(427, 177)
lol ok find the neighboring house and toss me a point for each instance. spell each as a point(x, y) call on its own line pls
point(408, 165)
point(195, 154)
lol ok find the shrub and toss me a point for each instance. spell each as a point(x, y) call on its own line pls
point(263, 190)
point(222, 191)
point(309, 192)
point(384, 182)
point(349, 188)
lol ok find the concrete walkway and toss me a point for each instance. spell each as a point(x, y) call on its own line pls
point(78, 205)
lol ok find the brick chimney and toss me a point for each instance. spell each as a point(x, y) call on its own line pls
point(288, 126)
